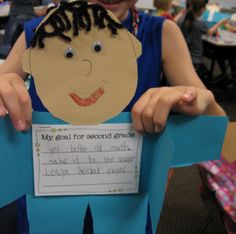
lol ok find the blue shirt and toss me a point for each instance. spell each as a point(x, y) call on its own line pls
point(149, 72)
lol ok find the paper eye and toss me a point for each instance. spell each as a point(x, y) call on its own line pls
point(69, 52)
point(97, 46)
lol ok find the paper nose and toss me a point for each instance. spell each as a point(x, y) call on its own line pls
point(86, 67)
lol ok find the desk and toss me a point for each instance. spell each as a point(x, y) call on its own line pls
point(222, 47)
point(224, 39)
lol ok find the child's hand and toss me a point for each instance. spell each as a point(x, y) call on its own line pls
point(15, 101)
point(224, 21)
point(151, 111)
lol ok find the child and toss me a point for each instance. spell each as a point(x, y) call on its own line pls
point(163, 9)
point(20, 11)
point(162, 43)
point(193, 29)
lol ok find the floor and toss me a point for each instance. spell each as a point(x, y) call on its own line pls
point(183, 211)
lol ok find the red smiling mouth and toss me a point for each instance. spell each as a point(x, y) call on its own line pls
point(110, 1)
point(90, 100)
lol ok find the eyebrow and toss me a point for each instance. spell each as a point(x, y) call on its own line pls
point(81, 20)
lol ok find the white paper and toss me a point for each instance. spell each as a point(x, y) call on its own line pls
point(79, 160)
point(211, 16)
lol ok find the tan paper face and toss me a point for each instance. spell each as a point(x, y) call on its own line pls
point(91, 86)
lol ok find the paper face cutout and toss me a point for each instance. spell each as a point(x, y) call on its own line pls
point(86, 80)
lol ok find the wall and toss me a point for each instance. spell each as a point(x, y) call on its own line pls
point(226, 3)
point(145, 4)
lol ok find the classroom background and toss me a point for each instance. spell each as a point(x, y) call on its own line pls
point(185, 211)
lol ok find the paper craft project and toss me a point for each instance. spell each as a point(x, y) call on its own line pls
point(87, 87)
point(185, 141)
point(96, 76)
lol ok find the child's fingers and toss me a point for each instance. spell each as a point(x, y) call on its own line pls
point(189, 95)
point(3, 110)
point(10, 100)
point(163, 107)
point(137, 112)
point(24, 101)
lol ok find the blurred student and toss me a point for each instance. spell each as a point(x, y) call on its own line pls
point(20, 12)
point(164, 8)
point(193, 29)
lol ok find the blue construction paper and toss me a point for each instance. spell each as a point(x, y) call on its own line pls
point(183, 142)
point(163, 151)
point(192, 142)
point(13, 161)
point(119, 214)
point(216, 18)
point(56, 215)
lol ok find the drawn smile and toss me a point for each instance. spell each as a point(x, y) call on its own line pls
point(94, 96)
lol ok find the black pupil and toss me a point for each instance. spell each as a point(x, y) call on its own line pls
point(69, 54)
point(97, 48)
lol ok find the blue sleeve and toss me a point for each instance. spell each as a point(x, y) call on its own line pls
point(29, 28)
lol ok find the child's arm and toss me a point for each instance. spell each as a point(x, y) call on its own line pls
point(179, 15)
point(14, 97)
point(188, 94)
point(214, 28)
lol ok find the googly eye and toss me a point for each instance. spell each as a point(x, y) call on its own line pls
point(69, 52)
point(97, 46)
